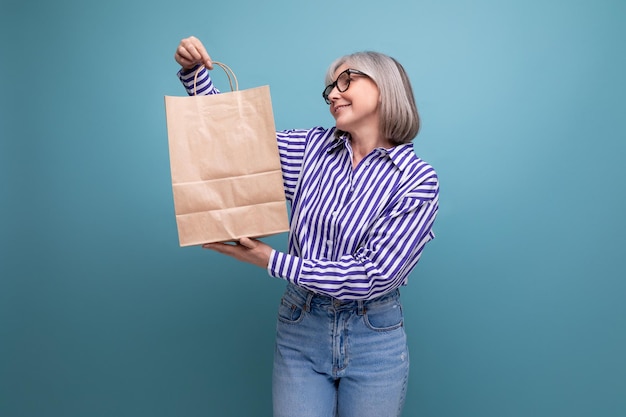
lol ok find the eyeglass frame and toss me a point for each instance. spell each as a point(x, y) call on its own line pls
point(329, 88)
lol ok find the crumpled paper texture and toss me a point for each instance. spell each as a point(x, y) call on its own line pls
point(225, 167)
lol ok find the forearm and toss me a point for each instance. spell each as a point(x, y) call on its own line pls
point(380, 264)
point(363, 275)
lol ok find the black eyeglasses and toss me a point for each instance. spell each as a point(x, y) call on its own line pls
point(342, 83)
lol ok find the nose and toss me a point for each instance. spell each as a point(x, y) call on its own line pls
point(334, 94)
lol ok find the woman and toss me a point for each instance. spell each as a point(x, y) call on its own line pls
point(362, 208)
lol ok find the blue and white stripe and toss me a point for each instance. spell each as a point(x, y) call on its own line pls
point(204, 84)
point(355, 233)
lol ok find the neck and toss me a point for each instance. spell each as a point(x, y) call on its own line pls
point(362, 145)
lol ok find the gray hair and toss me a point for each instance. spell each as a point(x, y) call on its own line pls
point(399, 119)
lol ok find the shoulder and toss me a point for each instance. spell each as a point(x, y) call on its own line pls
point(412, 166)
point(421, 169)
point(419, 178)
point(317, 135)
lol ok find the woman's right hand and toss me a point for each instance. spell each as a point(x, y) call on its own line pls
point(191, 52)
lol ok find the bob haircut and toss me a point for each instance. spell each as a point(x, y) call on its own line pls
point(399, 119)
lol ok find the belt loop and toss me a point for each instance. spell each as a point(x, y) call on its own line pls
point(309, 297)
point(361, 309)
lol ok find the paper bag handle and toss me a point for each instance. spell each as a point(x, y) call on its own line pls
point(229, 73)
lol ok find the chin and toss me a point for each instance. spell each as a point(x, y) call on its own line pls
point(341, 126)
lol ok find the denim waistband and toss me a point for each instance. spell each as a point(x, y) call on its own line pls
point(308, 298)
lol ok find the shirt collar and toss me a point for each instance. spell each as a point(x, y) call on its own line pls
point(400, 155)
point(338, 142)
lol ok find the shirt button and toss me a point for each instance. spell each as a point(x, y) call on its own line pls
point(329, 242)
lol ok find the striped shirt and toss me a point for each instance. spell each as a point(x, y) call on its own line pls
point(356, 233)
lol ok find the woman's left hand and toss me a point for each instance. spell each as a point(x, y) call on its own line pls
point(248, 250)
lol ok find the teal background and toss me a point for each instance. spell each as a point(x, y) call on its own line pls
point(517, 307)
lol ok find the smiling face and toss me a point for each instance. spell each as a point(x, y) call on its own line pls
point(357, 108)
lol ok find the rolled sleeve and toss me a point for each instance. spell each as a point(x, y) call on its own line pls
point(284, 266)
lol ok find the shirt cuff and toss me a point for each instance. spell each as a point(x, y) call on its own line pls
point(186, 75)
point(287, 267)
point(204, 84)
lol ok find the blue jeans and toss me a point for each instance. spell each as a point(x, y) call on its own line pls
point(334, 358)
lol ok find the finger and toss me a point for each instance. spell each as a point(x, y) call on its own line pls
point(193, 49)
point(189, 52)
point(248, 243)
point(215, 245)
point(204, 55)
point(223, 248)
point(184, 57)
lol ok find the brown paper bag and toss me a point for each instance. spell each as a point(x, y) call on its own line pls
point(226, 177)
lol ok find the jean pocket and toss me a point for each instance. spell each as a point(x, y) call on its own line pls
point(384, 319)
point(290, 313)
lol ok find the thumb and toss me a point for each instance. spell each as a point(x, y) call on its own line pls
point(247, 242)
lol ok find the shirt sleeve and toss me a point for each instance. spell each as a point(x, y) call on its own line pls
point(292, 146)
point(204, 84)
point(391, 250)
